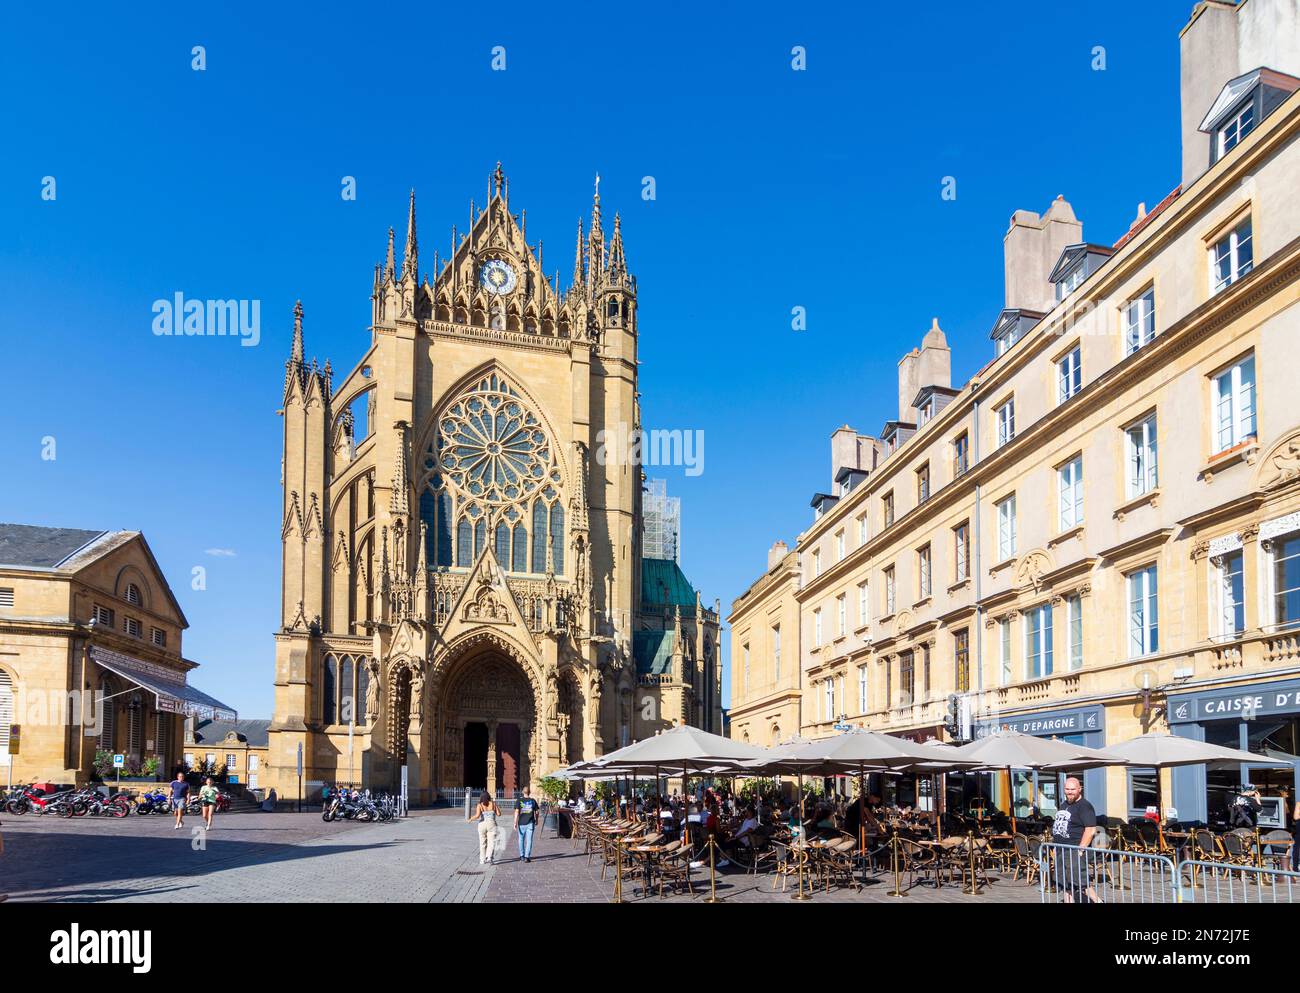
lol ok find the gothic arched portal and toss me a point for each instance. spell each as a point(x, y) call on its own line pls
point(488, 724)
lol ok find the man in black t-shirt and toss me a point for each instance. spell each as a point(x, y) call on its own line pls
point(527, 813)
point(1074, 824)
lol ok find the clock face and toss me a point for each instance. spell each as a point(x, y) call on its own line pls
point(497, 276)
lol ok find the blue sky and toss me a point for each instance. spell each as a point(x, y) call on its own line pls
point(775, 189)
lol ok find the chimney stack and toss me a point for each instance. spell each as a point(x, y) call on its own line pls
point(1031, 248)
point(776, 553)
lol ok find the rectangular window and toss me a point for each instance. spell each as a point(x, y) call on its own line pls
point(1143, 631)
point(1038, 642)
point(862, 604)
point(1004, 651)
point(923, 484)
point(906, 679)
point(745, 653)
point(817, 562)
point(133, 627)
point(1069, 485)
point(817, 627)
point(232, 761)
point(1006, 417)
point(960, 454)
point(1237, 128)
point(925, 670)
point(862, 689)
point(1231, 257)
point(1069, 376)
point(1007, 528)
point(841, 614)
point(1286, 581)
point(839, 545)
point(889, 590)
point(776, 652)
point(102, 615)
point(1231, 594)
point(6, 596)
point(189, 760)
point(862, 530)
point(889, 681)
point(1142, 476)
point(1074, 639)
point(252, 763)
point(925, 413)
point(828, 700)
point(1234, 405)
point(923, 571)
point(158, 636)
point(961, 551)
point(961, 659)
point(1139, 322)
point(887, 505)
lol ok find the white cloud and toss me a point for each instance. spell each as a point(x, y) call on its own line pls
point(221, 553)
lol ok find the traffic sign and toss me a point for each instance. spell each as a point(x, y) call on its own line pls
point(119, 761)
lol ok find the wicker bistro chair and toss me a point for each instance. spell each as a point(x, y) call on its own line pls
point(1276, 849)
point(839, 864)
point(1026, 858)
point(1238, 847)
point(786, 859)
point(673, 868)
point(920, 860)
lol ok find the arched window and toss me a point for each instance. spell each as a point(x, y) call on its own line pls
point(132, 595)
point(443, 530)
point(480, 535)
point(464, 553)
point(347, 697)
point(520, 563)
point(429, 518)
point(557, 538)
point(539, 537)
point(6, 710)
point(503, 545)
point(135, 728)
point(363, 689)
point(329, 689)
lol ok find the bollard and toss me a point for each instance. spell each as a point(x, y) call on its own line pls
point(802, 855)
point(713, 888)
point(618, 872)
point(898, 879)
point(970, 846)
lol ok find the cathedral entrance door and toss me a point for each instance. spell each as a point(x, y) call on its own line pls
point(507, 758)
point(476, 756)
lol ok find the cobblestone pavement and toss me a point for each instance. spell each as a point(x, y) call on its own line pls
point(431, 856)
point(562, 873)
point(252, 857)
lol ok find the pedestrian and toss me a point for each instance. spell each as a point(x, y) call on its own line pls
point(1295, 837)
point(208, 801)
point(526, 811)
point(180, 793)
point(1074, 825)
point(486, 814)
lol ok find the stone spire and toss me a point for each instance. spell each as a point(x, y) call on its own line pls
point(578, 276)
point(596, 242)
point(296, 353)
point(411, 260)
point(389, 266)
point(617, 264)
point(399, 504)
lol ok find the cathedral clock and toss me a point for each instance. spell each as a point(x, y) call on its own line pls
point(497, 277)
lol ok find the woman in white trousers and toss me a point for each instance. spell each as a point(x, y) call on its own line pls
point(486, 814)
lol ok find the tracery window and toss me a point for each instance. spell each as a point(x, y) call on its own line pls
point(490, 474)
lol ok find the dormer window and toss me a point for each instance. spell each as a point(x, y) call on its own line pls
point(1070, 282)
point(1076, 264)
point(1242, 124)
point(926, 411)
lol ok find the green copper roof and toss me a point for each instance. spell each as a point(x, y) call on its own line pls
point(653, 651)
point(664, 584)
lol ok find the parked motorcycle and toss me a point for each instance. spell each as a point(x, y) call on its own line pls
point(154, 801)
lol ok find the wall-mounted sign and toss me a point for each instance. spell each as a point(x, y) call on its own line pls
point(1084, 720)
point(1238, 703)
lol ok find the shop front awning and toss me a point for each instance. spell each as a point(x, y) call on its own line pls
point(172, 693)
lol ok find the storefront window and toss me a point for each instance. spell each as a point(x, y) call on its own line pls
point(1142, 788)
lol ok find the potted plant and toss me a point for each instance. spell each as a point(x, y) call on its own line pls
point(554, 790)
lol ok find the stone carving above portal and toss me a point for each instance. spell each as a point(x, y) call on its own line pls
point(1031, 569)
point(1282, 464)
point(486, 606)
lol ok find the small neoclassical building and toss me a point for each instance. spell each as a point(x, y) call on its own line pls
point(90, 656)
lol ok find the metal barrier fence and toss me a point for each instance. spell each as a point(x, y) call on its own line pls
point(1217, 882)
point(1067, 874)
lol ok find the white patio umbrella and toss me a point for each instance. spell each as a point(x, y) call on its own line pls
point(1169, 751)
point(1007, 750)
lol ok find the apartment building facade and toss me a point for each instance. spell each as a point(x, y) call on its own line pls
point(1099, 533)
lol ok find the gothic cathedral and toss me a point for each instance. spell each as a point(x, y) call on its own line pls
point(464, 593)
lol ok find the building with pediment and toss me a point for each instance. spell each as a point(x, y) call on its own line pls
point(463, 589)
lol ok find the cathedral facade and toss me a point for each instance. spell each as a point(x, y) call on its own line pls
point(464, 594)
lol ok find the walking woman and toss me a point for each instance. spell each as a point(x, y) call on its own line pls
point(208, 801)
point(486, 814)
